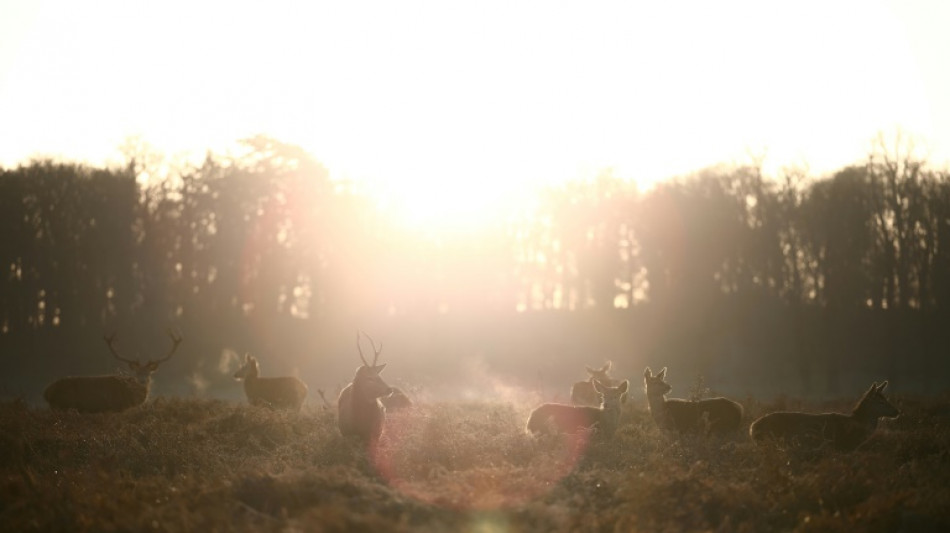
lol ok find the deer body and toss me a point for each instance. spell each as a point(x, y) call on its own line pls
point(583, 392)
point(395, 400)
point(277, 393)
point(844, 432)
point(713, 415)
point(360, 413)
point(108, 393)
point(96, 394)
point(571, 418)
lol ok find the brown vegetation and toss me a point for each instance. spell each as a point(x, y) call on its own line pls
point(195, 465)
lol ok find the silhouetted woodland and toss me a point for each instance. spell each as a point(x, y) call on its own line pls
point(759, 283)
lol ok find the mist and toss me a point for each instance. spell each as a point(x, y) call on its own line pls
point(739, 282)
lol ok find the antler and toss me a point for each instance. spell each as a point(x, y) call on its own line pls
point(376, 351)
point(176, 340)
point(360, 348)
point(110, 339)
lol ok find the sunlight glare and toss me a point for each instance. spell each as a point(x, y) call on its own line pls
point(450, 116)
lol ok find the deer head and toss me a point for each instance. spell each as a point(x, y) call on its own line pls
point(600, 374)
point(656, 385)
point(249, 368)
point(875, 404)
point(367, 379)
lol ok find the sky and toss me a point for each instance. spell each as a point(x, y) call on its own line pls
point(447, 107)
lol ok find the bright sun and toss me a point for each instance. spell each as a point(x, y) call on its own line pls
point(450, 202)
point(450, 113)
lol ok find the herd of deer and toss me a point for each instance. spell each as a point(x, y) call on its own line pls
point(596, 403)
point(712, 416)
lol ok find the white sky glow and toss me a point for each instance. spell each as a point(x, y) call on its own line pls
point(448, 107)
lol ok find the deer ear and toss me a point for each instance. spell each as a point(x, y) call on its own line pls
point(379, 368)
point(881, 386)
point(623, 386)
point(589, 369)
point(662, 373)
point(597, 386)
point(647, 373)
point(606, 366)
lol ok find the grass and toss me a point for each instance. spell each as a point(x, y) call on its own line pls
point(193, 465)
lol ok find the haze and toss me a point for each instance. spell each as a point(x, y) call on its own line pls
point(360, 115)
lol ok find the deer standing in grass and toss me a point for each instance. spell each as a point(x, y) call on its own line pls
point(843, 432)
point(571, 419)
point(712, 415)
point(584, 393)
point(285, 392)
point(358, 407)
point(110, 393)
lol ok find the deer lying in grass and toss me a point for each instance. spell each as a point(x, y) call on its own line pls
point(583, 392)
point(360, 413)
point(395, 400)
point(843, 432)
point(712, 415)
point(285, 392)
point(571, 419)
point(109, 393)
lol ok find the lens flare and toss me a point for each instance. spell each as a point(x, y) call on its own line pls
point(473, 456)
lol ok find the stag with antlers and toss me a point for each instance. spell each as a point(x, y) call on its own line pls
point(109, 393)
point(360, 413)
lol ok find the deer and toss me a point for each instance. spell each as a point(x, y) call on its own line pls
point(709, 416)
point(583, 392)
point(359, 410)
point(604, 419)
point(843, 432)
point(111, 393)
point(286, 392)
point(395, 400)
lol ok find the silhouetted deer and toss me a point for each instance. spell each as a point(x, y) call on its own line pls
point(110, 393)
point(285, 392)
point(843, 432)
point(395, 400)
point(360, 413)
point(583, 392)
point(713, 415)
point(571, 418)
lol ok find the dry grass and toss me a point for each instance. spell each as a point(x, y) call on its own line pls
point(192, 465)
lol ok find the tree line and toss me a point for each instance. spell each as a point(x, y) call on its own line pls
point(823, 274)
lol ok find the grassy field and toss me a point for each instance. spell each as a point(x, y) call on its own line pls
point(203, 465)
